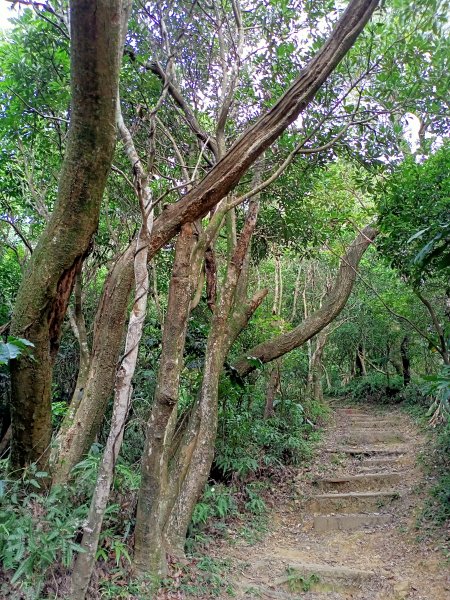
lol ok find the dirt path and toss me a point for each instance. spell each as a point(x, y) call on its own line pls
point(350, 532)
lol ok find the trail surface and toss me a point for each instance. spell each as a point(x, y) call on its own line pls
point(349, 532)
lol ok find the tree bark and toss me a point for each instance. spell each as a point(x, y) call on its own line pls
point(82, 423)
point(296, 292)
point(406, 363)
point(149, 552)
point(78, 325)
point(316, 367)
point(360, 364)
point(273, 387)
point(201, 447)
point(84, 562)
point(332, 305)
point(43, 296)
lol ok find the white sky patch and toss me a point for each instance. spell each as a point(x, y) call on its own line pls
point(411, 128)
point(6, 12)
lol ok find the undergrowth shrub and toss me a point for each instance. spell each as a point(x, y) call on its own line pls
point(248, 443)
point(376, 388)
point(38, 529)
point(436, 513)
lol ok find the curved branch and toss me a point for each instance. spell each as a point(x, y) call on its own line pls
point(224, 176)
point(333, 304)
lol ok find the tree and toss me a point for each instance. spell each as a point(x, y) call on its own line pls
point(45, 289)
point(414, 220)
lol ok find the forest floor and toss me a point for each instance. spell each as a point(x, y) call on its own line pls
point(346, 527)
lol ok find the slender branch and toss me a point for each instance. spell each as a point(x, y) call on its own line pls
point(19, 233)
point(179, 100)
point(35, 110)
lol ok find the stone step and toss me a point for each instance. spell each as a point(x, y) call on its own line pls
point(366, 451)
point(365, 482)
point(352, 412)
point(392, 468)
point(351, 502)
point(368, 419)
point(349, 522)
point(319, 574)
point(383, 461)
point(375, 424)
point(369, 436)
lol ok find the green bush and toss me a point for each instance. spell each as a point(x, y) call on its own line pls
point(375, 387)
point(436, 514)
point(38, 529)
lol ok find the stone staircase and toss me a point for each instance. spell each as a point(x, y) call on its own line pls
point(343, 540)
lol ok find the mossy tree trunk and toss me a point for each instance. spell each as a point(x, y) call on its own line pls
point(41, 303)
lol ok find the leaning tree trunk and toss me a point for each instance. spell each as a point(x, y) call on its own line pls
point(43, 296)
point(83, 420)
point(332, 305)
point(85, 560)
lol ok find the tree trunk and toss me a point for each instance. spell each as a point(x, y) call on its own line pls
point(296, 292)
point(315, 366)
point(273, 387)
point(81, 425)
point(149, 552)
point(276, 294)
point(333, 304)
point(43, 296)
point(201, 447)
point(360, 364)
point(406, 363)
point(78, 325)
point(84, 562)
